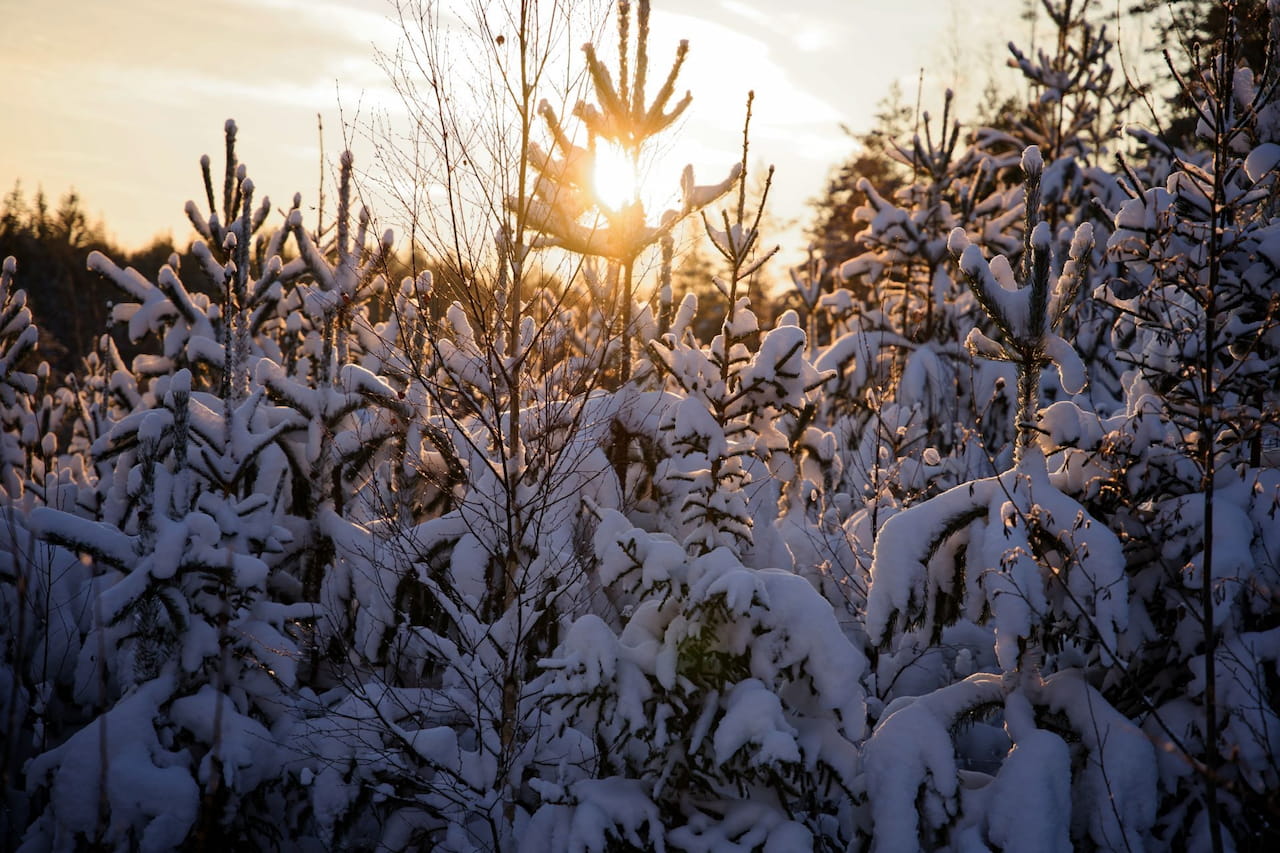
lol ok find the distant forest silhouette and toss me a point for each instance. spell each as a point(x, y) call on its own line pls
point(52, 245)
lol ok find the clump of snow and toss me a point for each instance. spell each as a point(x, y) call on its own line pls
point(118, 761)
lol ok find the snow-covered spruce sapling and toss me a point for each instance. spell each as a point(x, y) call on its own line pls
point(287, 327)
point(568, 211)
point(182, 617)
point(1200, 307)
point(222, 341)
point(905, 258)
point(733, 401)
point(40, 609)
point(186, 530)
point(899, 363)
point(807, 285)
point(913, 425)
point(35, 417)
point(131, 448)
point(1073, 112)
point(1075, 108)
point(349, 414)
point(700, 697)
point(726, 706)
point(209, 335)
point(1026, 313)
point(1017, 553)
point(18, 337)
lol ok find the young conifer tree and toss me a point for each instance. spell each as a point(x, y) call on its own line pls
point(18, 387)
point(1197, 303)
point(185, 657)
point(1016, 556)
point(709, 675)
point(506, 392)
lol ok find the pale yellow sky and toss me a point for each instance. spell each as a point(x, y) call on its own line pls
point(119, 99)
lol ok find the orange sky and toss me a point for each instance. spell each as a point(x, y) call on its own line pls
point(119, 99)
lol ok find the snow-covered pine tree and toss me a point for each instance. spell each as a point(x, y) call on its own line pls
point(34, 416)
point(915, 316)
point(41, 605)
point(924, 416)
point(1073, 113)
point(908, 412)
point(18, 387)
point(439, 683)
point(722, 432)
point(1195, 483)
point(719, 704)
point(1013, 567)
point(715, 694)
point(1074, 110)
point(186, 656)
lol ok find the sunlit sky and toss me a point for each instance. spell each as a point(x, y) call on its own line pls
point(119, 99)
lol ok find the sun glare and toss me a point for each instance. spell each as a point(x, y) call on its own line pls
point(614, 176)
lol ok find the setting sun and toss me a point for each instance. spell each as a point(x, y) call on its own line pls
point(616, 183)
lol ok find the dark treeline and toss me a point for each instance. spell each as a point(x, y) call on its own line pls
point(52, 244)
